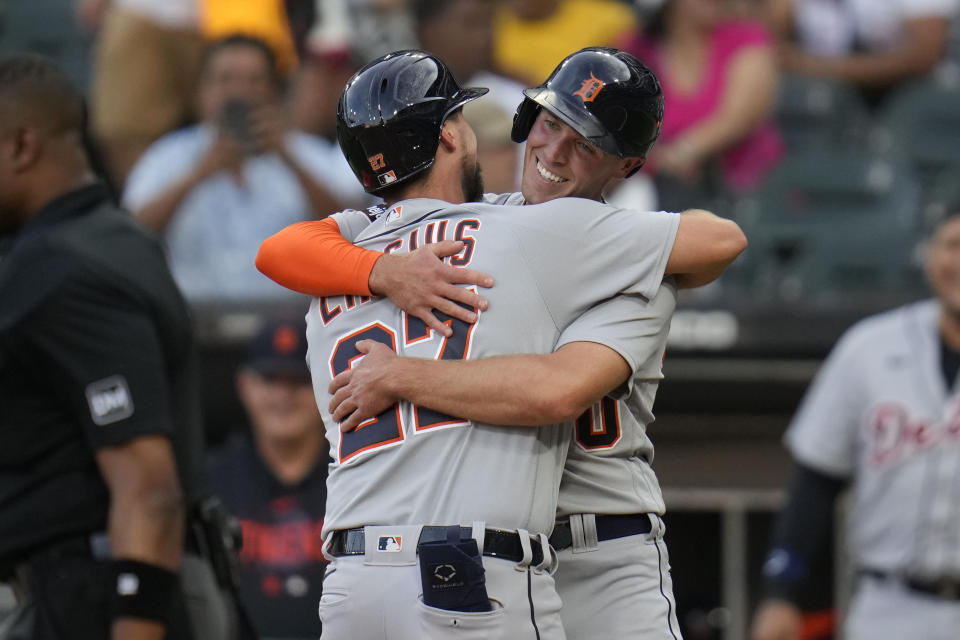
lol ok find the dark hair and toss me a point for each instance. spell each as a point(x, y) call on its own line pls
point(242, 40)
point(33, 86)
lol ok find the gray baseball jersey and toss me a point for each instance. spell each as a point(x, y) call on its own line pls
point(608, 465)
point(552, 262)
point(879, 412)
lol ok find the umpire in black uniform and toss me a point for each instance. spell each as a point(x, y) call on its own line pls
point(100, 431)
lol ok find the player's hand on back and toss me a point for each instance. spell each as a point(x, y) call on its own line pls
point(776, 620)
point(363, 391)
point(420, 282)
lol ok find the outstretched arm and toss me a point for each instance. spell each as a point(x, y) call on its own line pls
point(705, 246)
point(516, 390)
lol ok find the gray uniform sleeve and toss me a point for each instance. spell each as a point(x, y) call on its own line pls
point(631, 325)
point(823, 433)
point(351, 223)
point(583, 251)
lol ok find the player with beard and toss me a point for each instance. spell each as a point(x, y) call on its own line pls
point(566, 163)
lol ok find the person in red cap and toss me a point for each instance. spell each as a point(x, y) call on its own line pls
point(273, 479)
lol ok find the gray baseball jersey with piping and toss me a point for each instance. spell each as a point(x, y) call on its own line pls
point(608, 465)
point(552, 262)
point(879, 412)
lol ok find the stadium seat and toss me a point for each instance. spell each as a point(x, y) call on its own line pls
point(816, 112)
point(921, 123)
point(830, 222)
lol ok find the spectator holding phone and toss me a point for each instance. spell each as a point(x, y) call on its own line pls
point(217, 189)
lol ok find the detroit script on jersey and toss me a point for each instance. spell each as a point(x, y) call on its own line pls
point(880, 411)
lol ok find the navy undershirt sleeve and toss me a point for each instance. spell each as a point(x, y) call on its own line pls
point(801, 533)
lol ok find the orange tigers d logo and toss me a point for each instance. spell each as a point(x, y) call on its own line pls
point(285, 340)
point(590, 88)
point(376, 162)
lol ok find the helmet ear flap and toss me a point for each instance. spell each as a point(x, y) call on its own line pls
point(523, 119)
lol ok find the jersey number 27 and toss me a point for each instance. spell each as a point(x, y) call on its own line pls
point(388, 427)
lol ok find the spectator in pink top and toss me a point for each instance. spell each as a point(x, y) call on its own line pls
point(719, 79)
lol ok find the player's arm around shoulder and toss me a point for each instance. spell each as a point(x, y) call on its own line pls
point(317, 258)
point(705, 246)
point(314, 258)
point(581, 374)
point(516, 390)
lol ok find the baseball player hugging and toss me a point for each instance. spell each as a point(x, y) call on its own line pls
point(437, 520)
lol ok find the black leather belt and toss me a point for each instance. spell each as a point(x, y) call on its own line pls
point(608, 528)
point(496, 542)
point(945, 589)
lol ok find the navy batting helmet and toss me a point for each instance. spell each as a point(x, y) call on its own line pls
point(606, 95)
point(390, 115)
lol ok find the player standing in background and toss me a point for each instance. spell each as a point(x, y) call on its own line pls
point(883, 416)
point(575, 146)
point(593, 251)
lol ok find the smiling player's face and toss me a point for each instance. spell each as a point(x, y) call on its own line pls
point(559, 162)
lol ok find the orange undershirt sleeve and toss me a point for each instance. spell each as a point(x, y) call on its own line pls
point(313, 258)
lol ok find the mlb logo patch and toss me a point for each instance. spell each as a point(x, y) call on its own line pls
point(390, 544)
point(387, 178)
point(109, 400)
point(395, 213)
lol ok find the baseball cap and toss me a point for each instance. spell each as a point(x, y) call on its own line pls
point(280, 348)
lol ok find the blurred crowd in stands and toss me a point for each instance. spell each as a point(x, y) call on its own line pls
point(830, 129)
point(214, 119)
